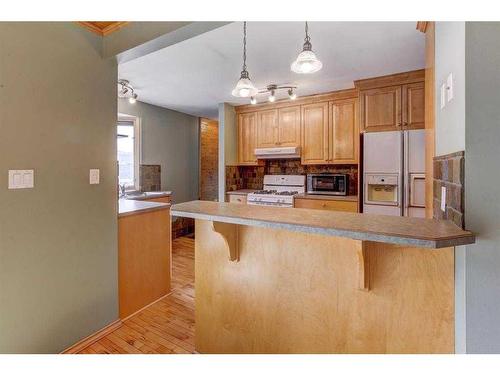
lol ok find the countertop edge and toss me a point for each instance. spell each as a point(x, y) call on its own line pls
point(356, 235)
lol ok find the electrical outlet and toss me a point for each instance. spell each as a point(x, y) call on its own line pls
point(94, 176)
point(443, 198)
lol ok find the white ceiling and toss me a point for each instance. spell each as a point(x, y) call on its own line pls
point(195, 75)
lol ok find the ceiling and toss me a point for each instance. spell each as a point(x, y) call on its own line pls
point(195, 75)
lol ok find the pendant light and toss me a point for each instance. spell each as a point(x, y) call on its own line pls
point(244, 88)
point(306, 62)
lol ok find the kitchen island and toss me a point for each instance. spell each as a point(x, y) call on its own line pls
point(293, 280)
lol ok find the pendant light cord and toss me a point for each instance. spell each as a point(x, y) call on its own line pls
point(307, 39)
point(244, 46)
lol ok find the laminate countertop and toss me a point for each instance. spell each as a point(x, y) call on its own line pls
point(128, 207)
point(241, 191)
point(148, 195)
point(417, 232)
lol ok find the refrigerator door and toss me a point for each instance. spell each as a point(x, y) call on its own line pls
point(383, 157)
point(414, 173)
point(382, 152)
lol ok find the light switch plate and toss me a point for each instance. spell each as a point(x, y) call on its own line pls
point(443, 95)
point(94, 176)
point(443, 198)
point(449, 87)
point(21, 179)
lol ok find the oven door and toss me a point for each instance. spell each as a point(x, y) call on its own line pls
point(327, 184)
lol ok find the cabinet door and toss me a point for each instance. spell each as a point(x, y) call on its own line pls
point(314, 129)
point(344, 131)
point(267, 128)
point(247, 134)
point(381, 109)
point(414, 106)
point(289, 126)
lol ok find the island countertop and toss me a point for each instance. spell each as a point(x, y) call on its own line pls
point(131, 207)
point(427, 233)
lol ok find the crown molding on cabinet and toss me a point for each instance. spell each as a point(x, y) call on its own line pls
point(311, 99)
point(391, 80)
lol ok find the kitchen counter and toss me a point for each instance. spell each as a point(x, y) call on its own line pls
point(424, 233)
point(148, 195)
point(241, 191)
point(349, 198)
point(298, 280)
point(128, 207)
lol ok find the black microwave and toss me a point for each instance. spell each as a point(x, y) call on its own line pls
point(328, 184)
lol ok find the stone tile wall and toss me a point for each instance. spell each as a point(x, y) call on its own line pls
point(252, 177)
point(150, 177)
point(449, 173)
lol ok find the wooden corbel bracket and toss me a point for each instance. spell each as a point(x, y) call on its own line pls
point(363, 266)
point(229, 233)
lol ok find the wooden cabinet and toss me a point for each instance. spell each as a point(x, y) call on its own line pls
point(344, 132)
point(414, 106)
point(278, 127)
point(247, 138)
point(267, 128)
point(395, 102)
point(326, 204)
point(330, 132)
point(289, 126)
point(236, 198)
point(381, 109)
point(315, 134)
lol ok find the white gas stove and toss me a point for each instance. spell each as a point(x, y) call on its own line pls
point(278, 190)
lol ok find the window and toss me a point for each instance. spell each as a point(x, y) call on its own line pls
point(128, 149)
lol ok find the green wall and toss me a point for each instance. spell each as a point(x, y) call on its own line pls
point(58, 241)
point(170, 139)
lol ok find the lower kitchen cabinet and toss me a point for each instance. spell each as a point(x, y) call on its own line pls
point(326, 204)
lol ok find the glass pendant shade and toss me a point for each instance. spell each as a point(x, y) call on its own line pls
point(306, 63)
point(244, 88)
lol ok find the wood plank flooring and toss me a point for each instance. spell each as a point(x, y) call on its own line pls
point(167, 326)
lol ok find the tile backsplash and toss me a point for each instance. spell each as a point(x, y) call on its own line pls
point(449, 173)
point(252, 177)
point(150, 177)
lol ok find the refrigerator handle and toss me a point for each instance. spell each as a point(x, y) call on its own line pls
point(406, 174)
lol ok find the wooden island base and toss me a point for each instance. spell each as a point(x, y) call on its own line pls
point(294, 292)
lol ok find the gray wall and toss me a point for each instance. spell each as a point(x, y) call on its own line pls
point(450, 58)
point(58, 242)
point(169, 138)
point(482, 182)
point(450, 137)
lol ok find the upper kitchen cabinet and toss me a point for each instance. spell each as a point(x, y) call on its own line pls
point(315, 134)
point(381, 109)
point(414, 105)
point(394, 102)
point(267, 128)
point(247, 138)
point(278, 127)
point(344, 131)
point(289, 126)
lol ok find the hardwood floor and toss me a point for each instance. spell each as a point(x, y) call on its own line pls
point(165, 327)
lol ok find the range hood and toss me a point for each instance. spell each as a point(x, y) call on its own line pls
point(278, 153)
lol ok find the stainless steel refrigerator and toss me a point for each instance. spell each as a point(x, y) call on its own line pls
point(394, 173)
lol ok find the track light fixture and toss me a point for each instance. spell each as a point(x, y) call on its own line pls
point(127, 91)
point(271, 90)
